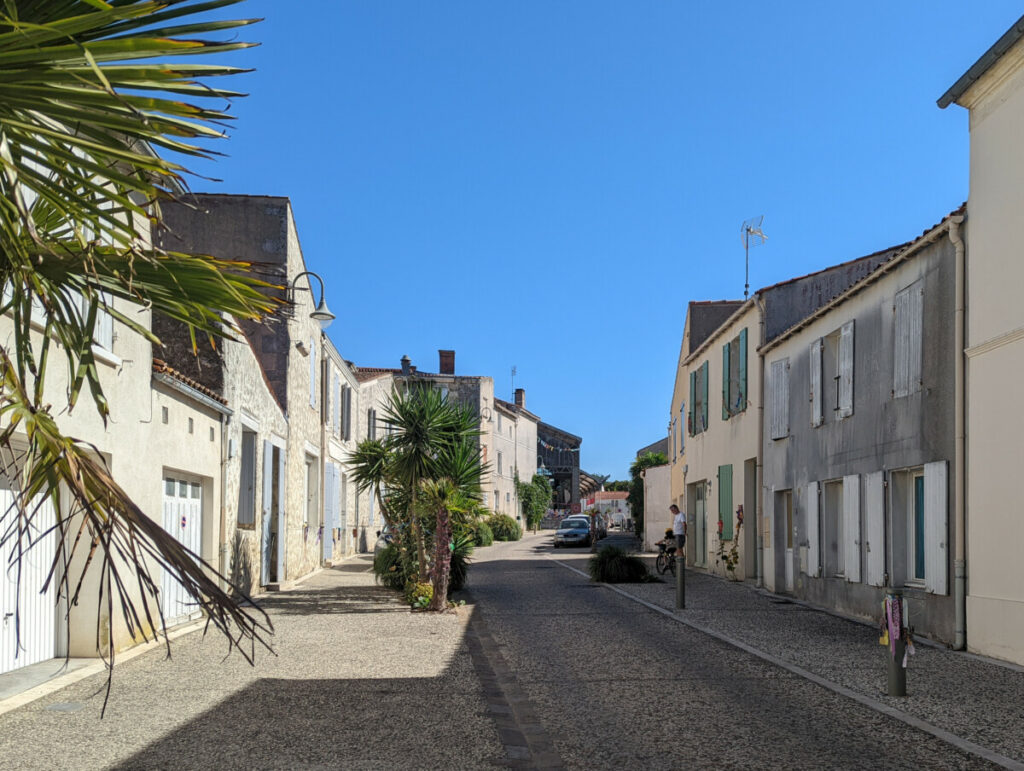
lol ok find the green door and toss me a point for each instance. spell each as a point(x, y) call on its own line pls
point(725, 500)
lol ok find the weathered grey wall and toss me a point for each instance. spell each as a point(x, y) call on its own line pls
point(882, 434)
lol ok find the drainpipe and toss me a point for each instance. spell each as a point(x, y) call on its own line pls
point(960, 561)
point(759, 515)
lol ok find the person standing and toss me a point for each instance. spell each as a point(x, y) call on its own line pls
point(678, 529)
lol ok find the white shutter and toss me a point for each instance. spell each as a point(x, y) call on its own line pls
point(817, 416)
point(813, 540)
point(103, 331)
point(916, 339)
point(874, 516)
point(851, 528)
point(780, 399)
point(901, 343)
point(936, 527)
point(312, 373)
point(846, 370)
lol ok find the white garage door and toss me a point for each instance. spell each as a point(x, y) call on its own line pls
point(183, 518)
point(28, 616)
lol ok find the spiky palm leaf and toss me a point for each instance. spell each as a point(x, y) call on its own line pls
point(87, 100)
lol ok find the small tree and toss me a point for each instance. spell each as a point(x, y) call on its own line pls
point(636, 488)
point(534, 498)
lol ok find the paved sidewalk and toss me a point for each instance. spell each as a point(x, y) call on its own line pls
point(976, 699)
point(358, 682)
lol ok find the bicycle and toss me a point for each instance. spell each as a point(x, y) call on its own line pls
point(666, 559)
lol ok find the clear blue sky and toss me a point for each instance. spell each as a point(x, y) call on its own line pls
point(547, 185)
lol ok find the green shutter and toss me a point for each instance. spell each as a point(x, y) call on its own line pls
point(725, 500)
point(743, 369)
point(725, 381)
point(704, 403)
point(690, 425)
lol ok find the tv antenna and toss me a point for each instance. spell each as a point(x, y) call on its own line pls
point(752, 236)
point(513, 382)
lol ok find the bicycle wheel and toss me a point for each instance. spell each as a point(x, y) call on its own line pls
point(672, 564)
point(661, 564)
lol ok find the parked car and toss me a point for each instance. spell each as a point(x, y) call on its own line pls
point(384, 537)
point(573, 532)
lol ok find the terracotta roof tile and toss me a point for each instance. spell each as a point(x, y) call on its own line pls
point(162, 367)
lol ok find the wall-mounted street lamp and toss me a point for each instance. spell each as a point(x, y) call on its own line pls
point(322, 313)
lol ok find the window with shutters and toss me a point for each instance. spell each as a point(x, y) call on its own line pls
point(346, 413)
point(312, 490)
point(817, 411)
point(499, 463)
point(698, 417)
point(371, 423)
point(907, 340)
point(837, 372)
point(778, 396)
point(734, 376)
point(918, 500)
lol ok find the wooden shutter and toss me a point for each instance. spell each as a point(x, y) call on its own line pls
point(282, 514)
point(725, 501)
point(312, 373)
point(817, 413)
point(682, 434)
point(813, 539)
point(743, 370)
point(726, 406)
point(846, 370)
point(336, 402)
point(851, 528)
point(348, 413)
point(705, 376)
point(907, 342)
point(779, 384)
point(265, 508)
point(691, 426)
point(936, 527)
point(874, 520)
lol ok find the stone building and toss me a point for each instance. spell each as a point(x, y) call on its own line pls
point(514, 438)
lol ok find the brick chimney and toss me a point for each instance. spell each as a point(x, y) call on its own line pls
point(521, 398)
point(446, 360)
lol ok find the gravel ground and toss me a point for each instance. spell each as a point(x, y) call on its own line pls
point(358, 682)
point(976, 699)
point(616, 684)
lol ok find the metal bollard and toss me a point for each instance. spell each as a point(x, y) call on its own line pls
point(680, 583)
point(897, 673)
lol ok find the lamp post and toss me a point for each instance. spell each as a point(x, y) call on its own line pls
point(322, 313)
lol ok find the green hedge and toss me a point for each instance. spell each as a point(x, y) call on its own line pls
point(505, 528)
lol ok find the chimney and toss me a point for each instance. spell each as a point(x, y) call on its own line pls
point(521, 398)
point(446, 362)
point(406, 365)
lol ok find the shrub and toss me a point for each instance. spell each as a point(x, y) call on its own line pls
point(387, 567)
point(462, 548)
point(419, 595)
point(505, 528)
point(612, 565)
point(482, 534)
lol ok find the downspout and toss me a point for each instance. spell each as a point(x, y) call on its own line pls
point(759, 516)
point(959, 475)
point(325, 373)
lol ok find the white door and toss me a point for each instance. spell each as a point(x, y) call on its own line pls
point(28, 615)
point(787, 514)
point(183, 518)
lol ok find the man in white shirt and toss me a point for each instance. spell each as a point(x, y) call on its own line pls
point(678, 529)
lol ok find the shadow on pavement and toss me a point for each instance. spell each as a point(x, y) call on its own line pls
point(307, 601)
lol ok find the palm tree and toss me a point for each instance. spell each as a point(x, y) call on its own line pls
point(87, 103)
point(368, 465)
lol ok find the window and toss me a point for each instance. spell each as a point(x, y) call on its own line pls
point(371, 423)
point(312, 374)
point(191, 426)
point(497, 499)
point(499, 463)
point(734, 376)
point(836, 386)
point(920, 531)
point(346, 413)
point(499, 422)
point(778, 385)
point(164, 414)
point(247, 482)
point(907, 341)
point(508, 498)
point(698, 418)
point(832, 509)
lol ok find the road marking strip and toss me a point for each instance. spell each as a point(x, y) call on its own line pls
point(867, 701)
